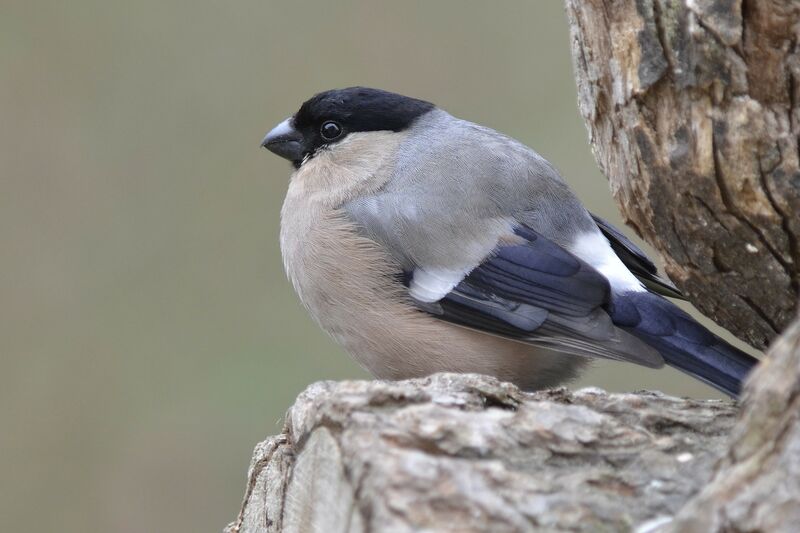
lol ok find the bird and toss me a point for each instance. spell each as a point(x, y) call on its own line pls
point(423, 243)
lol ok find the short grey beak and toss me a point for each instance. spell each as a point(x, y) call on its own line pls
point(284, 141)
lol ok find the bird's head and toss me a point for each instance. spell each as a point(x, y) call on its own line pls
point(329, 117)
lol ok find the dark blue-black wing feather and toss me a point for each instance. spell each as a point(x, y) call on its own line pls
point(541, 273)
point(537, 292)
point(681, 340)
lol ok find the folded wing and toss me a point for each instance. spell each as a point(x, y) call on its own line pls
point(536, 292)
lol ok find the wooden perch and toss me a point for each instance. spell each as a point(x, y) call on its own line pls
point(468, 453)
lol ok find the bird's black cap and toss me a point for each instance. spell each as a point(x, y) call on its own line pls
point(361, 109)
point(327, 118)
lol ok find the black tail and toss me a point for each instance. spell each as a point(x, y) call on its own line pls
point(681, 340)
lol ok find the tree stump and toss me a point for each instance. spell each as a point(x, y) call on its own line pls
point(468, 453)
point(460, 452)
point(693, 112)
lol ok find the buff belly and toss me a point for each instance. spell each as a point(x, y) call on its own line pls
point(348, 284)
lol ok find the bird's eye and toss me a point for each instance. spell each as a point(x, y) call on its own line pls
point(330, 130)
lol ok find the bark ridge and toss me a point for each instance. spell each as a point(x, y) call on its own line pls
point(693, 113)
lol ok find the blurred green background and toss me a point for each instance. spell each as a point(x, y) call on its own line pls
point(148, 336)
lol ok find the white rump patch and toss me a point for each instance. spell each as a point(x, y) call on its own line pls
point(595, 249)
point(433, 284)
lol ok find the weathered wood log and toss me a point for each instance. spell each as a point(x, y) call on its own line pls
point(693, 112)
point(468, 453)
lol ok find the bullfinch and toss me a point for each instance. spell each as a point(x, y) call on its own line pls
point(425, 243)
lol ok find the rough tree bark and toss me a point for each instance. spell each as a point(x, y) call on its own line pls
point(693, 111)
point(467, 453)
